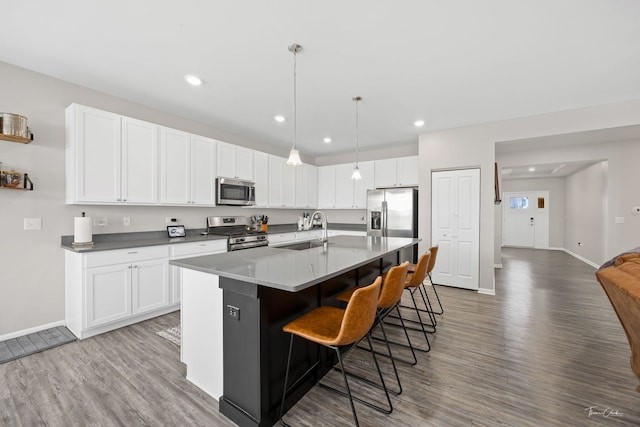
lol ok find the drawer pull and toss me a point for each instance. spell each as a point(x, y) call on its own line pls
point(131, 253)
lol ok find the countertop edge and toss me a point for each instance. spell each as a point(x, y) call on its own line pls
point(296, 288)
point(115, 241)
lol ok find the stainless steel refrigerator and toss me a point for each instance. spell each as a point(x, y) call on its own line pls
point(393, 212)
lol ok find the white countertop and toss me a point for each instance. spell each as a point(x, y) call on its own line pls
point(295, 270)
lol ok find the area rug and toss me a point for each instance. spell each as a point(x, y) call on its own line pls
point(36, 342)
point(172, 335)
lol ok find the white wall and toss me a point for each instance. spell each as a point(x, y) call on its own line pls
point(556, 202)
point(32, 262)
point(585, 211)
point(475, 146)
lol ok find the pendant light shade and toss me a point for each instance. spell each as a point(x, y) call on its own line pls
point(294, 155)
point(356, 173)
point(294, 158)
point(356, 170)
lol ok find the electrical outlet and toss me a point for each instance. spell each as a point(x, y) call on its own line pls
point(619, 220)
point(126, 221)
point(233, 312)
point(33, 223)
point(100, 222)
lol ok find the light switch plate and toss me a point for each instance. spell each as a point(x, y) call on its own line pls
point(97, 222)
point(619, 220)
point(33, 223)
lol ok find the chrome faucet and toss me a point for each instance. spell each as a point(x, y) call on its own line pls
point(325, 227)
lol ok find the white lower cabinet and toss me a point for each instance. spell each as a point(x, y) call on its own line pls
point(188, 250)
point(149, 285)
point(107, 294)
point(110, 289)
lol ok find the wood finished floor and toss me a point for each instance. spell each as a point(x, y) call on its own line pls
point(541, 352)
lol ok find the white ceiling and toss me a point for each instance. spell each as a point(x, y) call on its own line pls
point(452, 63)
point(562, 169)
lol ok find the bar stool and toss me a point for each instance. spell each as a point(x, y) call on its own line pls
point(390, 295)
point(427, 301)
point(334, 328)
point(412, 285)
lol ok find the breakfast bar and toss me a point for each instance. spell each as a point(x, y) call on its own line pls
point(235, 304)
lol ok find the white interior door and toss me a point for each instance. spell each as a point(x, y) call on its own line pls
point(525, 219)
point(518, 219)
point(455, 227)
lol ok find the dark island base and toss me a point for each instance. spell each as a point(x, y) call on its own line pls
point(255, 348)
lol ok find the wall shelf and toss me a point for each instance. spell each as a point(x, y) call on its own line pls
point(18, 139)
point(27, 184)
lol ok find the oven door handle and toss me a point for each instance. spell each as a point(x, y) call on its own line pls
point(249, 245)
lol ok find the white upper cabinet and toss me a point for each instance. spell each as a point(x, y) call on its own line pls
point(235, 162)
point(276, 166)
point(326, 187)
point(407, 171)
point(261, 176)
point(281, 183)
point(306, 186)
point(344, 186)
point(244, 166)
point(187, 168)
point(397, 172)
point(175, 167)
point(367, 170)
point(337, 190)
point(288, 185)
point(203, 171)
point(139, 175)
point(110, 159)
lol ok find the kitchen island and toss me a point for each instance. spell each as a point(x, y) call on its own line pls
point(235, 304)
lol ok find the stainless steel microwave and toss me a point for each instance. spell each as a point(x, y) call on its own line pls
point(235, 192)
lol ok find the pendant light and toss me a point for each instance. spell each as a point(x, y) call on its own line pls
point(294, 155)
point(356, 170)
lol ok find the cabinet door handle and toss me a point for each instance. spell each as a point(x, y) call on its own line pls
point(131, 253)
point(135, 266)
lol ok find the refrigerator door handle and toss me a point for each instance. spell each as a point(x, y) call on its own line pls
point(384, 219)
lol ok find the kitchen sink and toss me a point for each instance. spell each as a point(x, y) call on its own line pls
point(301, 246)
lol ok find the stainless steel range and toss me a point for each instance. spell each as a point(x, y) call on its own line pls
point(238, 230)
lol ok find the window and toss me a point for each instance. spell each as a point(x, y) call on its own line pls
point(518, 202)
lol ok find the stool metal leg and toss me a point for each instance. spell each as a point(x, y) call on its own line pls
point(357, 399)
point(433, 285)
point(406, 334)
point(346, 384)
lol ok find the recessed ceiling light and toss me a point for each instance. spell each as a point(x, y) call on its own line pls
point(327, 140)
point(532, 169)
point(193, 80)
point(418, 123)
point(278, 119)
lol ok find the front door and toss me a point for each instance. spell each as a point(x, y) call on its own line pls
point(455, 227)
point(518, 215)
point(525, 219)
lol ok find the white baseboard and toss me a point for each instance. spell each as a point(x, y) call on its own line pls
point(31, 330)
point(484, 291)
point(583, 259)
point(556, 249)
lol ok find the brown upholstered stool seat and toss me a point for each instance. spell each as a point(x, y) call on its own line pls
point(321, 325)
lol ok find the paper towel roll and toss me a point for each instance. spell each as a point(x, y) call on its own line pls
point(82, 230)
